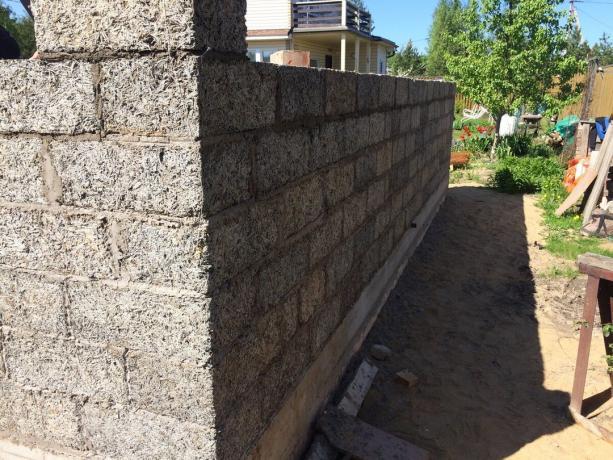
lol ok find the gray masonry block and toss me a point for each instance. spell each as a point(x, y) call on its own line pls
point(312, 294)
point(122, 432)
point(41, 416)
point(68, 244)
point(73, 25)
point(47, 97)
point(168, 326)
point(60, 364)
point(338, 183)
point(338, 266)
point(171, 388)
point(21, 170)
point(301, 93)
point(341, 91)
point(163, 179)
point(237, 97)
point(303, 203)
point(227, 172)
point(326, 237)
point(151, 95)
point(369, 87)
point(387, 92)
point(170, 254)
point(32, 302)
point(281, 157)
point(354, 212)
point(328, 144)
point(402, 91)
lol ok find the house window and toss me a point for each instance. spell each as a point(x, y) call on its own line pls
point(251, 55)
point(314, 63)
point(328, 61)
point(261, 54)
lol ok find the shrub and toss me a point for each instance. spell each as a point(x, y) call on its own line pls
point(519, 145)
point(526, 174)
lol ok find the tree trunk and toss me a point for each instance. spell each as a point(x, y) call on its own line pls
point(497, 119)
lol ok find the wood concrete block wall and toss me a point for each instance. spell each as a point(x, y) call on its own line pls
point(183, 233)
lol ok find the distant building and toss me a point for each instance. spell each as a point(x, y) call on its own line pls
point(336, 32)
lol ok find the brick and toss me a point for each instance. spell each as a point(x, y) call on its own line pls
point(377, 128)
point(312, 295)
point(176, 327)
point(224, 24)
point(387, 92)
point(279, 276)
point(338, 183)
point(354, 212)
point(364, 237)
point(301, 93)
point(281, 158)
point(341, 91)
point(41, 416)
point(303, 204)
point(237, 97)
point(168, 254)
point(70, 244)
point(324, 238)
point(417, 92)
point(376, 195)
point(59, 364)
point(402, 91)
point(121, 432)
point(20, 170)
point(72, 26)
point(151, 95)
point(368, 92)
point(327, 145)
point(362, 139)
point(171, 388)
point(324, 324)
point(226, 172)
point(398, 150)
point(382, 220)
point(31, 302)
point(365, 169)
point(241, 238)
point(338, 266)
point(384, 158)
point(44, 97)
point(126, 176)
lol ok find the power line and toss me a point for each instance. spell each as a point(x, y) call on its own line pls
point(596, 19)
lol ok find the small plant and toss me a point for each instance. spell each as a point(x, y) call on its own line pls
point(475, 138)
point(526, 174)
point(607, 331)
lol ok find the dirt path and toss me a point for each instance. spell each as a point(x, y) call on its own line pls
point(491, 338)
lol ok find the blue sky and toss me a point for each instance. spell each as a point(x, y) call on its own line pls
point(401, 20)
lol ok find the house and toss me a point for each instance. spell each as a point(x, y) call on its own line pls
point(337, 33)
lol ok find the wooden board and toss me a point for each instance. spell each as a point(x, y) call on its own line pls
point(582, 140)
point(357, 389)
point(364, 441)
point(584, 183)
point(606, 158)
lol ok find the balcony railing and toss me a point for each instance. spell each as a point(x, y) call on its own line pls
point(309, 14)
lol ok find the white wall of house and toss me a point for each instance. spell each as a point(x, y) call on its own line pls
point(318, 52)
point(260, 50)
point(269, 14)
point(381, 60)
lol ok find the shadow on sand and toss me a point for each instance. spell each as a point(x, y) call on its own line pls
point(462, 317)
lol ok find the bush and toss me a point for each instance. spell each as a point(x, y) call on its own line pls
point(526, 174)
point(521, 146)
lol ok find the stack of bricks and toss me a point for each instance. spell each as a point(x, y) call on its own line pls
point(181, 231)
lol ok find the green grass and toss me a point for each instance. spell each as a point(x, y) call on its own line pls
point(560, 272)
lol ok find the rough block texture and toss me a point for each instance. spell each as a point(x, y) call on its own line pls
point(136, 25)
point(181, 235)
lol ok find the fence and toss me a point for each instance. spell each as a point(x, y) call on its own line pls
point(602, 96)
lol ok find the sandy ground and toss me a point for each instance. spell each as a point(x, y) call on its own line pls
point(491, 337)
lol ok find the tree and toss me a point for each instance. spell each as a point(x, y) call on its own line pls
point(445, 25)
point(407, 62)
point(22, 30)
point(515, 55)
point(577, 46)
point(603, 50)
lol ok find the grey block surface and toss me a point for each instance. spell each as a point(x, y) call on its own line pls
point(41, 97)
point(151, 95)
point(21, 170)
point(163, 179)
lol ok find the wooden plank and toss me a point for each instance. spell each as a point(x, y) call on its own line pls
point(364, 441)
point(582, 140)
point(606, 157)
point(583, 184)
point(596, 265)
point(358, 388)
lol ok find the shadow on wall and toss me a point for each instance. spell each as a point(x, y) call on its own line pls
point(462, 317)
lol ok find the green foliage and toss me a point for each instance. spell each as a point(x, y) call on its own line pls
point(446, 23)
point(525, 174)
point(577, 46)
point(407, 62)
point(475, 138)
point(519, 145)
point(21, 29)
point(514, 55)
point(603, 50)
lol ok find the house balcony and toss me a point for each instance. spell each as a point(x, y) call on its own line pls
point(330, 14)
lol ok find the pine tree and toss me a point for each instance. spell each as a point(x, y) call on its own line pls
point(407, 62)
point(445, 25)
point(603, 50)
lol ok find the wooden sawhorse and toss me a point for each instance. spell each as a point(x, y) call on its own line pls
point(599, 291)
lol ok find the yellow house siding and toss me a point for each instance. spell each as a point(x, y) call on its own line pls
point(318, 51)
point(268, 14)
